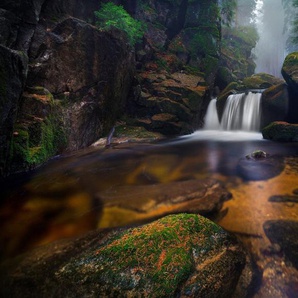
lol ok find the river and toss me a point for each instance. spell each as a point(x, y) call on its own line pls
point(63, 198)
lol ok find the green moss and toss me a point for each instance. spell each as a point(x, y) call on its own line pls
point(36, 140)
point(159, 255)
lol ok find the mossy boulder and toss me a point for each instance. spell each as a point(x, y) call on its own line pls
point(261, 81)
point(281, 132)
point(275, 104)
point(290, 70)
point(38, 132)
point(176, 256)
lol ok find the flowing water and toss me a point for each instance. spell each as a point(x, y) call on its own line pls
point(70, 195)
point(101, 188)
point(241, 112)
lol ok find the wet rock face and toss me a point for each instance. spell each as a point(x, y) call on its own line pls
point(178, 255)
point(88, 69)
point(13, 72)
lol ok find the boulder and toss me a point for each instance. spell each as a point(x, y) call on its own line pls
point(260, 166)
point(281, 131)
point(88, 69)
point(275, 104)
point(205, 196)
point(13, 72)
point(176, 256)
point(290, 70)
point(290, 74)
point(261, 81)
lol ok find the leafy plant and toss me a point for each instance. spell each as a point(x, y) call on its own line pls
point(111, 15)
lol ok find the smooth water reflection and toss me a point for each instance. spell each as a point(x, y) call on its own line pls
point(72, 194)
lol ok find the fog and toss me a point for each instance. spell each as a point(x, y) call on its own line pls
point(271, 48)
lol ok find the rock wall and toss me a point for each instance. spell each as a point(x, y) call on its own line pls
point(88, 72)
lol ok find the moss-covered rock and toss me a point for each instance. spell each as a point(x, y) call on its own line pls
point(275, 104)
point(236, 61)
point(281, 132)
point(176, 256)
point(38, 133)
point(290, 70)
point(261, 81)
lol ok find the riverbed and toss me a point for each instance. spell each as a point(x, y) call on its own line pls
point(70, 195)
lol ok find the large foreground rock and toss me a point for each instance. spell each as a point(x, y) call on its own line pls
point(176, 256)
point(281, 131)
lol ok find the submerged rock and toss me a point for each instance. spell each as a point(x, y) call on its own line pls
point(176, 256)
point(145, 202)
point(258, 166)
point(281, 132)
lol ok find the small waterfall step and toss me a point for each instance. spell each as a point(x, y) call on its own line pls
point(241, 112)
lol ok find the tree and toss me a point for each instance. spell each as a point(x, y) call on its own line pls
point(291, 13)
point(227, 11)
point(111, 15)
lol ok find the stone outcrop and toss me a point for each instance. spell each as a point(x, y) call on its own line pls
point(91, 71)
point(236, 62)
point(290, 70)
point(290, 74)
point(281, 132)
point(275, 104)
point(38, 132)
point(176, 256)
point(13, 72)
point(178, 62)
point(170, 103)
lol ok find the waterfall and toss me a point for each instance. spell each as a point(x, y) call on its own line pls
point(241, 112)
point(270, 50)
point(211, 118)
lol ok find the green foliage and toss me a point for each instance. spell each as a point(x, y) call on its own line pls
point(228, 10)
point(291, 12)
point(111, 15)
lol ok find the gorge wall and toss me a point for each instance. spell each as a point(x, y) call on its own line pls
point(64, 83)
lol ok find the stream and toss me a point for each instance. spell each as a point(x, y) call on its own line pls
point(70, 194)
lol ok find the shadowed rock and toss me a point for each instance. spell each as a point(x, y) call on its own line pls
point(176, 256)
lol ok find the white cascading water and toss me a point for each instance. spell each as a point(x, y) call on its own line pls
point(241, 112)
point(211, 118)
point(270, 50)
